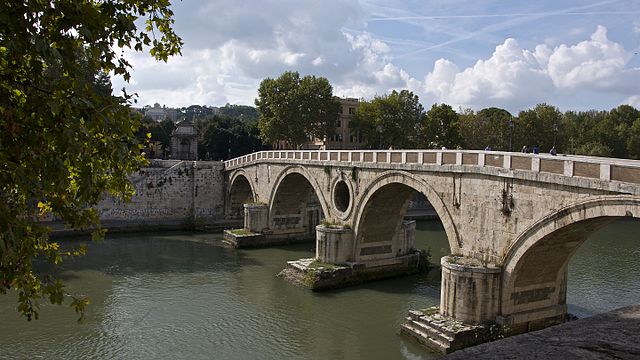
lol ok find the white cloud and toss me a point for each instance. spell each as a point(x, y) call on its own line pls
point(633, 100)
point(596, 63)
point(517, 78)
point(511, 76)
point(318, 61)
point(442, 78)
point(226, 56)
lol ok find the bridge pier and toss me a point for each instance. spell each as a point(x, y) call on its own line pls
point(334, 245)
point(260, 229)
point(470, 292)
point(256, 217)
point(469, 304)
point(335, 264)
point(472, 308)
point(256, 221)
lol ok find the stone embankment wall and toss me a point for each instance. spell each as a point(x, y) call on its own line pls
point(170, 194)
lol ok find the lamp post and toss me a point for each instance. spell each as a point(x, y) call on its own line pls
point(510, 123)
point(555, 133)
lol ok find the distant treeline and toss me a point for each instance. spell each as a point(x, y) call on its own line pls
point(613, 133)
point(232, 131)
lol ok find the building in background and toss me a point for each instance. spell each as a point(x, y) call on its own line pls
point(159, 113)
point(343, 137)
point(184, 141)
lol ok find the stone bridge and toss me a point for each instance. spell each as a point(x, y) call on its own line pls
point(512, 220)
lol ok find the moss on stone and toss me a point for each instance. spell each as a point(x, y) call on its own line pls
point(241, 232)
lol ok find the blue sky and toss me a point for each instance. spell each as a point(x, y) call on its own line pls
point(469, 54)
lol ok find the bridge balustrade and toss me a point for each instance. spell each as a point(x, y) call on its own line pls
point(606, 169)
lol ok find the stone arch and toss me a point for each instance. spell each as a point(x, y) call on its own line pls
point(289, 186)
point(240, 191)
point(535, 265)
point(414, 183)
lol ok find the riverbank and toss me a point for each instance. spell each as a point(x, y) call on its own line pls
point(612, 335)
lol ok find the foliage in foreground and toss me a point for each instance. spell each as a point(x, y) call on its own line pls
point(65, 140)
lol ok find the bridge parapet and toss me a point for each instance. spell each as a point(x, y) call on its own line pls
point(609, 173)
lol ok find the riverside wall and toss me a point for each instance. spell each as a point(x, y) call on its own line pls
point(169, 194)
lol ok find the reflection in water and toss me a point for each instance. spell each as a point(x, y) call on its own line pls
point(185, 295)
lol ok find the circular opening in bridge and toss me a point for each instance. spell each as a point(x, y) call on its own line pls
point(341, 196)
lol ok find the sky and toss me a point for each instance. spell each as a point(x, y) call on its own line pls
point(576, 55)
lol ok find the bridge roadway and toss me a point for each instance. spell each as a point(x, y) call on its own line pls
point(513, 220)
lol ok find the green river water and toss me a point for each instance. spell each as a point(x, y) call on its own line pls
point(186, 296)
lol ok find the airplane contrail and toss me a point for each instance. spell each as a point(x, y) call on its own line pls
point(543, 14)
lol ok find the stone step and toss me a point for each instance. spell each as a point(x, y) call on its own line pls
point(446, 326)
point(436, 326)
point(432, 331)
point(442, 333)
point(424, 338)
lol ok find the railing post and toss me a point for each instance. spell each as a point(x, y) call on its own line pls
point(420, 157)
point(506, 162)
point(404, 157)
point(605, 172)
point(481, 159)
point(458, 158)
point(535, 164)
point(568, 168)
point(439, 158)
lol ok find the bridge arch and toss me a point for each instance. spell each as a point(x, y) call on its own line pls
point(535, 265)
point(241, 191)
point(291, 191)
point(402, 186)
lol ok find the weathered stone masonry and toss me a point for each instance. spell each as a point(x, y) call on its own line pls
point(170, 194)
point(513, 220)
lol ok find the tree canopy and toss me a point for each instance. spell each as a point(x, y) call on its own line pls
point(391, 120)
point(225, 137)
point(241, 112)
point(293, 109)
point(65, 140)
point(440, 127)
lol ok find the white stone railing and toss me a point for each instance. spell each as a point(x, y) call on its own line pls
point(607, 169)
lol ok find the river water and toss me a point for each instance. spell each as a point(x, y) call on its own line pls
point(186, 296)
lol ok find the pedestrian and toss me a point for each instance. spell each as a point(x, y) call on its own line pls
point(525, 149)
point(488, 148)
point(553, 151)
point(536, 150)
